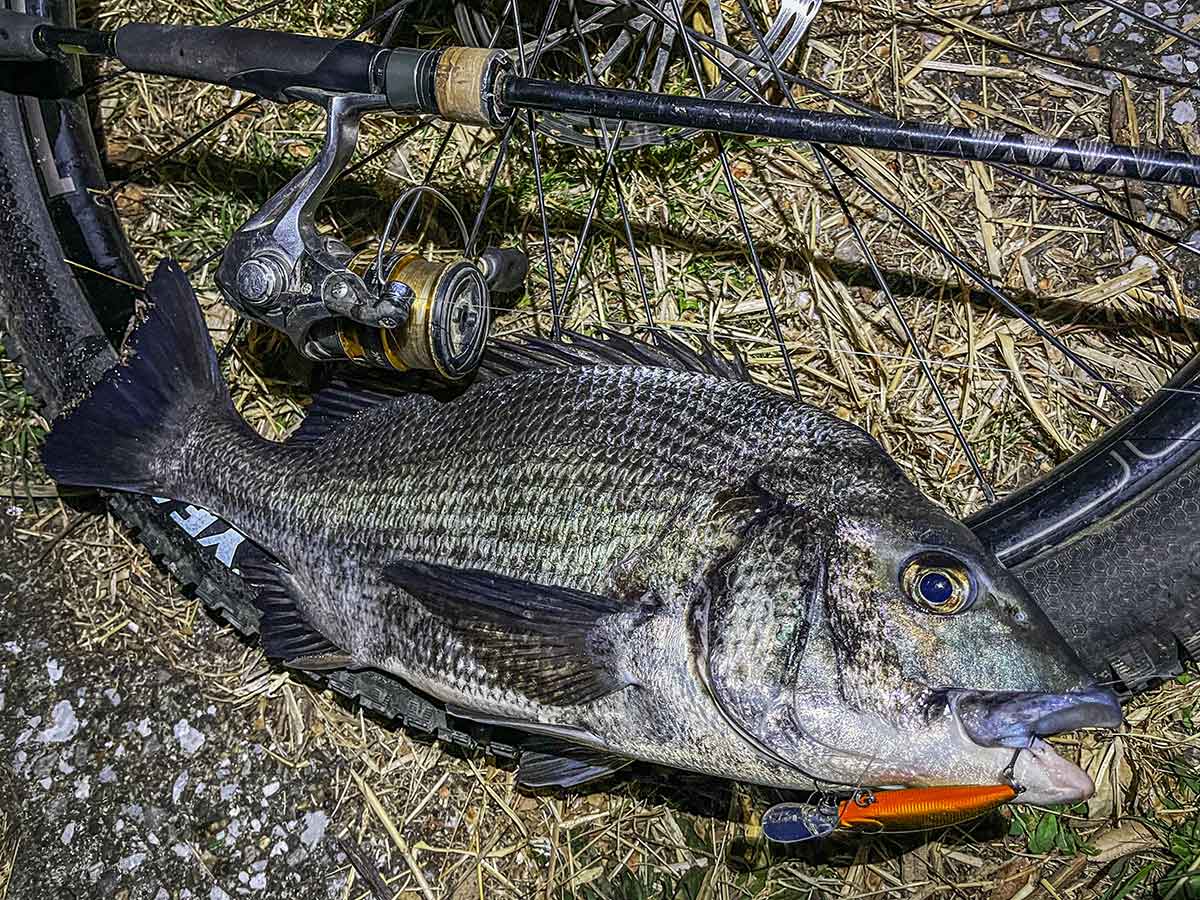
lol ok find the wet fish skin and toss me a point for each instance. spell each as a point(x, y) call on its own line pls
point(734, 558)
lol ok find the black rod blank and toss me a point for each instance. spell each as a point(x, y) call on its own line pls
point(877, 133)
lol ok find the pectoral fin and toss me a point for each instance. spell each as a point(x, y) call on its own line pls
point(552, 644)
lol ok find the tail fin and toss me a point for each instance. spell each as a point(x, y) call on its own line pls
point(127, 427)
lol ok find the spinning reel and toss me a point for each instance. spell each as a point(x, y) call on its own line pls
point(403, 312)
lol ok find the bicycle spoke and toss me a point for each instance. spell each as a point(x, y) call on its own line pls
point(207, 129)
point(1100, 209)
point(535, 153)
point(420, 126)
point(1079, 62)
point(587, 225)
point(555, 39)
point(976, 11)
point(502, 152)
point(257, 11)
point(946, 20)
point(609, 145)
point(394, 10)
point(700, 39)
point(824, 156)
point(1134, 13)
point(851, 104)
point(878, 275)
point(435, 160)
point(914, 345)
point(975, 275)
point(178, 148)
point(412, 206)
point(743, 223)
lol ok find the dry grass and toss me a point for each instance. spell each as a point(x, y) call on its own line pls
point(436, 824)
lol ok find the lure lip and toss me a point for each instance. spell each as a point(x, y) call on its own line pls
point(1014, 718)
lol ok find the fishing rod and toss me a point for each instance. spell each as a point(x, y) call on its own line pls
point(479, 87)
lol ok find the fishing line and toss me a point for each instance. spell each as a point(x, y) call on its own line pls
point(413, 191)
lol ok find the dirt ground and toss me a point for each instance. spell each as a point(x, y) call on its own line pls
point(129, 781)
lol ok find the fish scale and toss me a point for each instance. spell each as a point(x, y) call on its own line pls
point(626, 548)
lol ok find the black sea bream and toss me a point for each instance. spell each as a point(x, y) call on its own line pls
point(630, 550)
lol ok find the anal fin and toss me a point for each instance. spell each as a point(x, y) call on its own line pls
point(545, 763)
point(286, 634)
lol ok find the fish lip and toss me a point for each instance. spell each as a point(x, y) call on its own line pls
point(1046, 779)
point(1015, 718)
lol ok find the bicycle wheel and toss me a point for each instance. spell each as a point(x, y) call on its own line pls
point(800, 288)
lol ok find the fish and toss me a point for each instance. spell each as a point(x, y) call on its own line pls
point(628, 551)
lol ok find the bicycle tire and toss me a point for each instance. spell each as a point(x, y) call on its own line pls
point(1098, 545)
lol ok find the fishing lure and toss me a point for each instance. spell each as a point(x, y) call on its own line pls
point(906, 809)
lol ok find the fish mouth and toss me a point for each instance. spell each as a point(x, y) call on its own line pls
point(999, 720)
point(1014, 718)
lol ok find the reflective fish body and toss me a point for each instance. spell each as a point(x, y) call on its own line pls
point(628, 551)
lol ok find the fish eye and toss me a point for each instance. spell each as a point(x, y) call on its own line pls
point(938, 583)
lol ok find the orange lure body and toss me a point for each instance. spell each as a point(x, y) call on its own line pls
point(932, 807)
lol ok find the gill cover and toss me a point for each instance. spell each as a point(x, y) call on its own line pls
point(760, 604)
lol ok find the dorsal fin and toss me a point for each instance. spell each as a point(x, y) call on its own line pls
point(333, 406)
point(613, 349)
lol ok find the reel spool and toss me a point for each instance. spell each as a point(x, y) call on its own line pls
point(445, 330)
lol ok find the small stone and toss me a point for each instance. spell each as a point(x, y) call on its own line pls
point(131, 862)
point(189, 738)
point(63, 724)
point(314, 828)
point(1143, 262)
